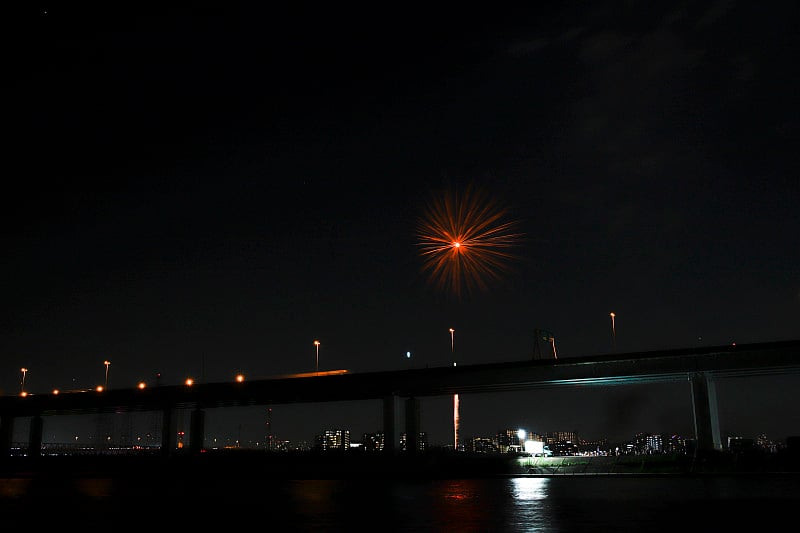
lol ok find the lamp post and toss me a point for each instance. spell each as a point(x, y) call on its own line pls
point(613, 332)
point(107, 363)
point(553, 344)
point(316, 343)
point(22, 386)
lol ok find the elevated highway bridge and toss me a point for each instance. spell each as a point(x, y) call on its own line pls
point(699, 366)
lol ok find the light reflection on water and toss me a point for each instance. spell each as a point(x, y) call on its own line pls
point(530, 509)
point(558, 505)
point(529, 488)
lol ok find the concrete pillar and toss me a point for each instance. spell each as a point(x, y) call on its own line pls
point(105, 430)
point(706, 414)
point(197, 430)
point(35, 438)
point(390, 424)
point(169, 431)
point(6, 434)
point(412, 425)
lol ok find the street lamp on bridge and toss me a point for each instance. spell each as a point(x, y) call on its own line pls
point(22, 385)
point(316, 343)
point(107, 363)
point(613, 315)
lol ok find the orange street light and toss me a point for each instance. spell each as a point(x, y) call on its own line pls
point(107, 363)
point(316, 343)
point(613, 331)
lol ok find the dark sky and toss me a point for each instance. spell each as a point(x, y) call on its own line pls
point(194, 191)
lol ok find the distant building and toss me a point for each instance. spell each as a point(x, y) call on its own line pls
point(594, 447)
point(740, 444)
point(422, 442)
point(766, 445)
point(372, 442)
point(564, 448)
point(561, 443)
point(482, 445)
point(676, 444)
point(657, 443)
point(553, 437)
point(333, 439)
point(280, 445)
point(507, 440)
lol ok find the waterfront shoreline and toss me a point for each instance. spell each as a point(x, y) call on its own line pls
point(241, 464)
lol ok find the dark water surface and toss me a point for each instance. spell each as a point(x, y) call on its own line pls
point(557, 504)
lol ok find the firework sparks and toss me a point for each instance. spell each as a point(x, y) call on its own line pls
point(465, 241)
point(456, 421)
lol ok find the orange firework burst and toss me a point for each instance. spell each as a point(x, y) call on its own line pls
point(465, 241)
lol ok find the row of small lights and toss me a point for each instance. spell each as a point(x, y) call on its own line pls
point(240, 377)
point(189, 381)
point(100, 388)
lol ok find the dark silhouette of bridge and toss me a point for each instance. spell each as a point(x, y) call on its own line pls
point(700, 366)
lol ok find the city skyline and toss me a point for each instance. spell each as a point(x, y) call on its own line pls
point(123, 433)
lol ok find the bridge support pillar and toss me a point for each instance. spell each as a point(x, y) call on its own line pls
point(706, 414)
point(6, 434)
point(35, 436)
point(197, 430)
point(105, 431)
point(390, 424)
point(169, 431)
point(412, 425)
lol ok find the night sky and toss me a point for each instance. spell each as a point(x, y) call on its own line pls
point(200, 192)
